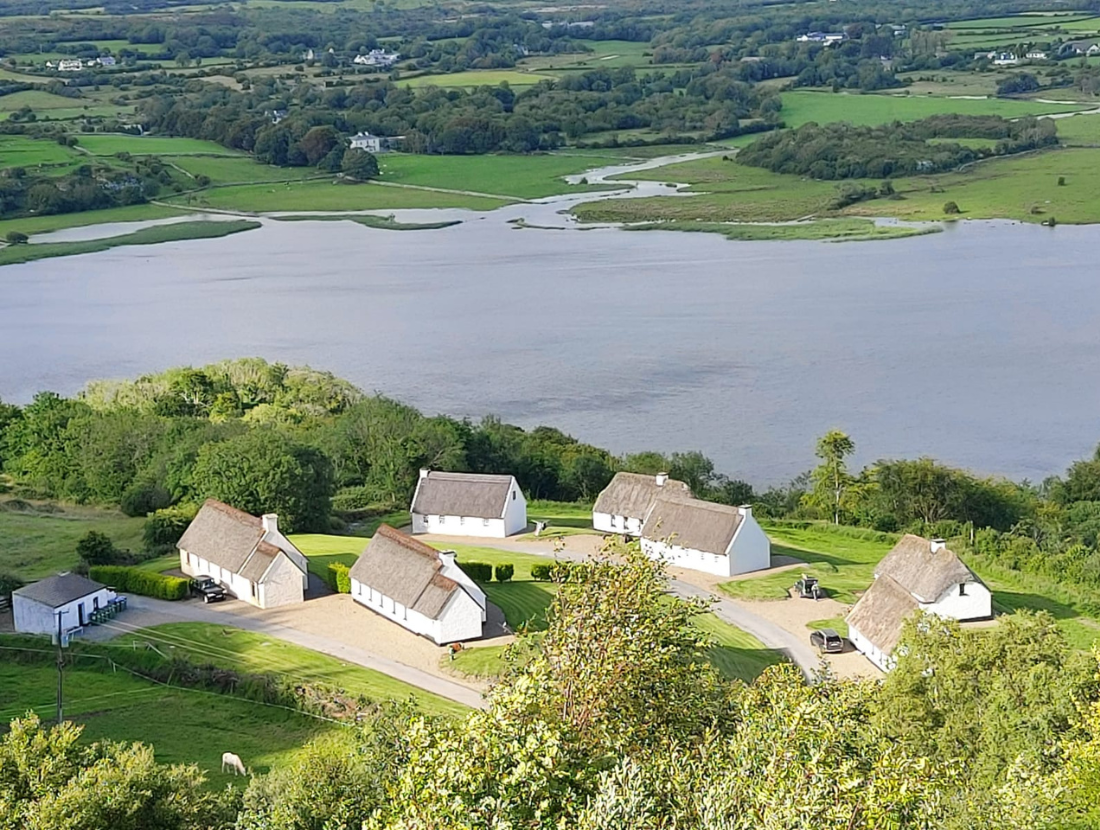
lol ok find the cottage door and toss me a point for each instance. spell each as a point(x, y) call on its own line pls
point(80, 612)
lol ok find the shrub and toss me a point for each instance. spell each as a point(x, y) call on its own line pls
point(1061, 181)
point(542, 572)
point(558, 572)
point(478, 571)
point(339, 577)
point(8, 583)
point(950, 208)
point(503, 573)
point(16, 238)
point(96, 548)
point(163, 528)
point(142, 498)
point(137, 581)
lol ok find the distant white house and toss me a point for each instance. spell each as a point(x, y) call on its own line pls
point(378, 58)
point(246, 554)
point(1036, 55)
point(714, 538)
point(105, 60)
point(418, 587)
point(70, 65)
point(66, 601)
point(917, 575)
point(624, 504)
point(826, 38)
point(368, 142)
point(468, 504)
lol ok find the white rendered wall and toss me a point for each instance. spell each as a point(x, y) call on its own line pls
point(282, 585)
point(869, 650)
point(31, 617)
point(975, 604)
point(460, 619)
point(750, 550)
point(460, 526)
point(617, 524)
point(697, 560)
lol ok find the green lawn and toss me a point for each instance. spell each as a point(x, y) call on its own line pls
point(122, 707)
point(476, 77)
point(562, 519)
point(250, 652)
point(178, 232)
point(40, 100)
point(237, 169)
point(108, 144)
point(825, 107)
point(323, 550)
point(1081, 130)
point(327, 195)
point(40, 540)
point(516, 176)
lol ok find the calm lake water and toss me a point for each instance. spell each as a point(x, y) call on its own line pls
point(979, 346)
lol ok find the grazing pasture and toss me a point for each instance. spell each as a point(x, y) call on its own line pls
point(102, 144)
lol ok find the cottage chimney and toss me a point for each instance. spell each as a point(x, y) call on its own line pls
point(447, 557)
point(270, 522)
point(661, 479)
point(938, 545)
point(746, 510)
point(424, 473)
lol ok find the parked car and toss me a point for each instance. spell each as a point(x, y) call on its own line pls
point(207, 588)
point(827, 641)
point(808, 588)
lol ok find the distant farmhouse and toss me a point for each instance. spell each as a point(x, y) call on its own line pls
point(704, 536)
point(246, 554)
point(58, 603)
point(368, 142)
point(1078, 47)
point(917, 575)
point(624, 504)
point(468, 504)
point(826, 38)
point(418, 587)
point(378, 58)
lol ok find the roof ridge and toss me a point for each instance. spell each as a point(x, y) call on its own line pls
point(233, 512)
point(408, 542)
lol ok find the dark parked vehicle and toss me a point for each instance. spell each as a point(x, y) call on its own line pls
point(207, 588)
point(808, 588)
point(827, 641)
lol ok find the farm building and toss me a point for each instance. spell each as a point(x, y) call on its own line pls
point(704, 536)
point(418, 587)
point(468, 504)
point(246, 554)
point(368, 142)
point(623, 504)
point(36, 607)
point(918, 574)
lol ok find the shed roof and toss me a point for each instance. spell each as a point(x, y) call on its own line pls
point(462, 494)
point(56, 591)
point(632, 494)
point(692, 523)
point(405, 570)
point(924, 574)
point(880, 612)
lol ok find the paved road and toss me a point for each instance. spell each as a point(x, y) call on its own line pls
point(145, 611)
point(767, 632)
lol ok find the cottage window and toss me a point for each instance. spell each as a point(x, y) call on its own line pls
point(443, 520)
point(252, 585)
point(962, 589)
point(462, 520)
point(614, 521)
point(513, 495)
point(485, 522)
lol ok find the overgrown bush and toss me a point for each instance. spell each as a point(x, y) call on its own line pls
point(558, 572)
point(137, 581)
point(503, 572)
point(163, 528)
point(143, 497)
point(339, 577)
point(9, 583)
point(96, 548)
point(478, 571)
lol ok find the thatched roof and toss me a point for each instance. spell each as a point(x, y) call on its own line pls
point(691, 523)
point(405, 570)
point(231, 539)
point(56, 591)
point(924, 574)
point(462, 494)
point(880, 612)
point(632, 494)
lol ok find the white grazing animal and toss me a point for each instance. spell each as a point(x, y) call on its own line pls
point(233, 762)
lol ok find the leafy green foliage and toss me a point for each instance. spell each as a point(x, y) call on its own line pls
point(339, 577)
point(359, 164)
point(478, 571)
point(96, 548)
point(138, 581)
point(9, 583)
point(503, 572)
point(163, 528)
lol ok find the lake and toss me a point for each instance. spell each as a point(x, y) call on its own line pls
point(979, 346)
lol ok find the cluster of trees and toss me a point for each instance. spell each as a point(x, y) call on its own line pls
point(614, 718)
point(844, 151)
point(432, 120)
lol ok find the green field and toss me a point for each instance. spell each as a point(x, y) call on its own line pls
point(867, 110)
point(40, 539)
point(475, 78)
point(105, 144)
point(39, 100)
point(326, 195)
point(255, 653)
point(178, 232)
point(238, 169)
point(44, 224)
point(121, 707)
point(21, 151)
point(834, 230)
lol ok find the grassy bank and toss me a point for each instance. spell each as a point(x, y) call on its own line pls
point(179, 232)
point(836, 230)
point(382, 223)
point(31, 225)
point(326, 195)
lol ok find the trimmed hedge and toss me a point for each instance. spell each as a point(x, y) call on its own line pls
point(339, 577)
point(559, 572)
point(137, 581)
point(478, 571)
point(503, 572)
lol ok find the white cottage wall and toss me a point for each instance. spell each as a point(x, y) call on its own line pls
point(282, 585)
point(974, 603)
